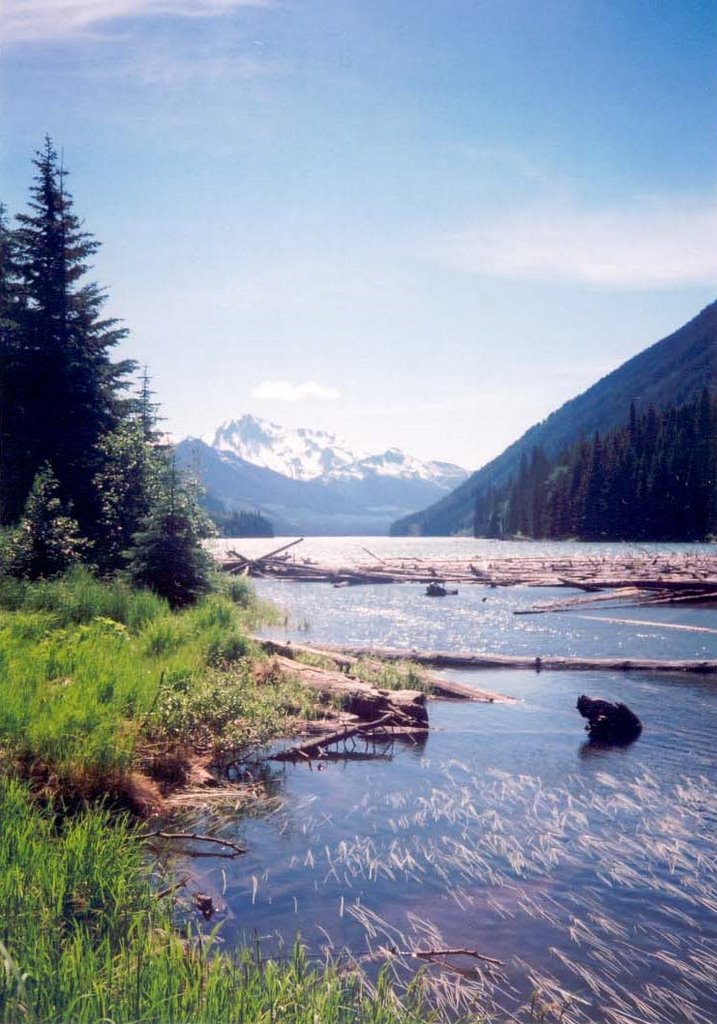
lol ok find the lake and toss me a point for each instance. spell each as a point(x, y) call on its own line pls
point(591, 873)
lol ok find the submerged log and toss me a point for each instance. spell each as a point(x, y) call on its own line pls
point(436, 589)
point(316, 748)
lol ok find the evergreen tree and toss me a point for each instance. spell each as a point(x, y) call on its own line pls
point(47, 540)
point(167, 556)
point(242, 524)
point(147, 410)
point(654, 479)
point(132, 480)
point(67, 393)
point(129, 485)
point(15, 385)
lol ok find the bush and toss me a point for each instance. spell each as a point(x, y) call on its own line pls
point(47, 539)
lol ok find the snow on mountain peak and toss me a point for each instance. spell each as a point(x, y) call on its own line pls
point(300, 454)
point(304, 454)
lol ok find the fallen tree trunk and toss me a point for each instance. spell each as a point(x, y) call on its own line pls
point(646, 622)
point(315, 748)
point(572, 603)
point(649, 571)
point(440, 659)
point(345, 662)
point(403, 707)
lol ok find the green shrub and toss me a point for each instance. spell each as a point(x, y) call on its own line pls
point(47, 540)
point(167, 557)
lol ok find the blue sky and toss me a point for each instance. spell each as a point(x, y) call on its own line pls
point(416, 222)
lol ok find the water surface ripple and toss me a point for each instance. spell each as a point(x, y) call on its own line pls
point(592, 873)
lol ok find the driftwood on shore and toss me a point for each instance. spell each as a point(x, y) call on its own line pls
point(317, 748)
point(652, 577)
point(365, 702)
point(340, 684)
point(367, 711)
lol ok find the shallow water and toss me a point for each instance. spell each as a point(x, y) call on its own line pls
point(592, 873)
point(480, 619)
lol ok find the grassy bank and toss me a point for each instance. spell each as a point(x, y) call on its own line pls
point(96, 675)
point(100, 683)
point(84, 939)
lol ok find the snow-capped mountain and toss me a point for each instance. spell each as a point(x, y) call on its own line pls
point(303, 454)
point(309, 481)
point(299, 454)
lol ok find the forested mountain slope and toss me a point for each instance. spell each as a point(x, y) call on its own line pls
point(650, 480)
point(671, 372)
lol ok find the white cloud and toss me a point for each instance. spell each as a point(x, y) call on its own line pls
point(285, 391)
point(653, 243)
point(38, 20)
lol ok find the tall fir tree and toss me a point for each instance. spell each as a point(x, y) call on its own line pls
point(66, 391)
point(14, 382)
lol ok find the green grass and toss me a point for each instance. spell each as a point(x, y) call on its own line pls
point(79, 598)
point(83, 939)
point(398, 675)
point(91, 670)
point(92, 676)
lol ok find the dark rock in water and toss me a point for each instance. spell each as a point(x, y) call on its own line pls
point(438, 590)
point(608, 722)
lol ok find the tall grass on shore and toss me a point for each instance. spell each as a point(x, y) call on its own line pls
point(89, 670)
point(92, 675)
point(83, 939)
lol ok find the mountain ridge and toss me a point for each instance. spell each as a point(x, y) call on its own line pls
point(672, 370)
point(305, 454)
point(308, 481)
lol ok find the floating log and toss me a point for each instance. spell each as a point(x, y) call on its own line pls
point(646, 622)
point(440, 659)
point(381, 560)
point(627, 597)
point(277, 551)
point(433, 954)
point(621, 595)
point(687, 573)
